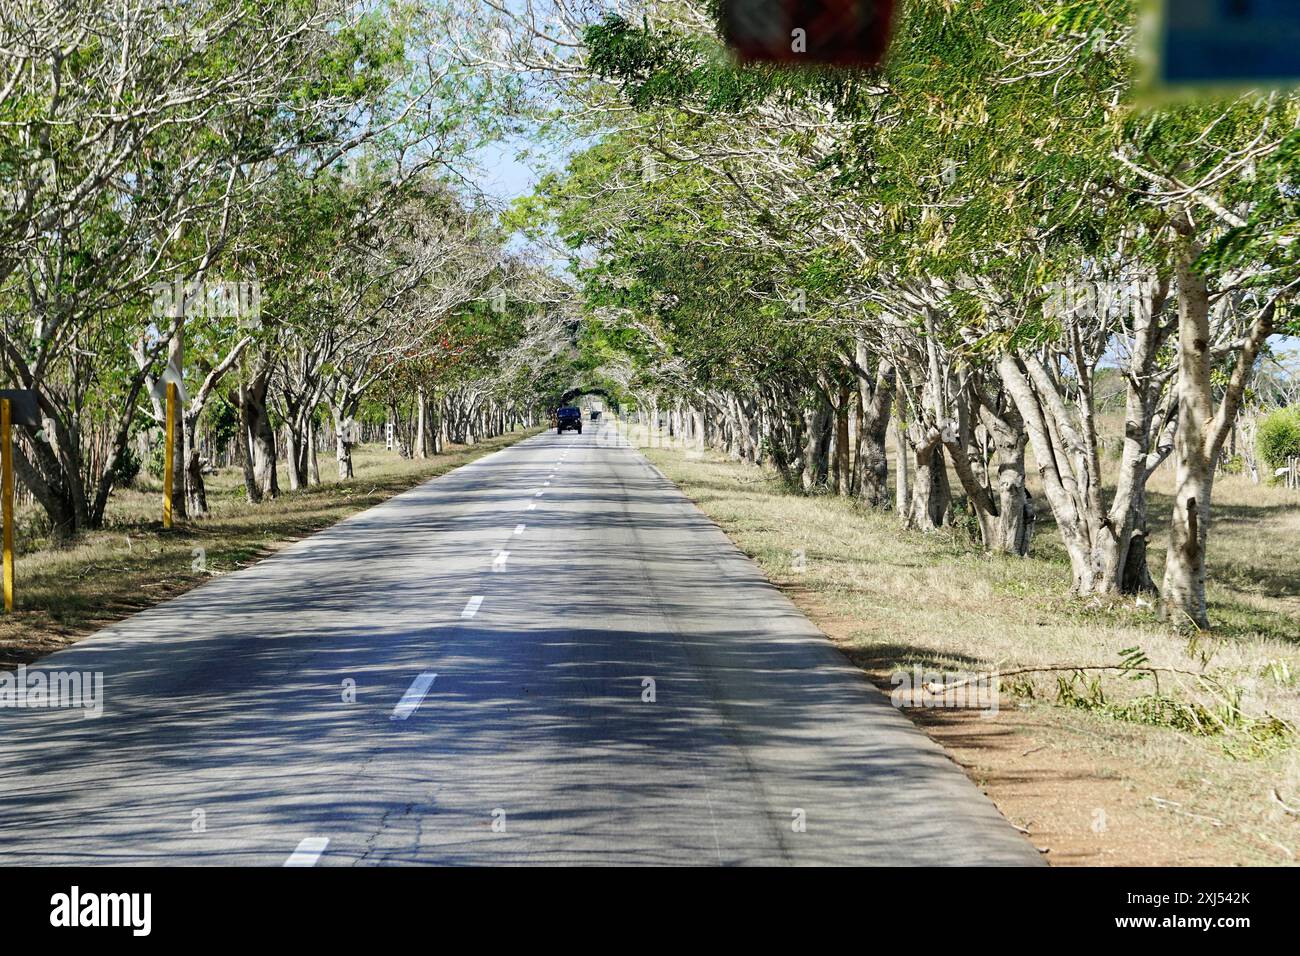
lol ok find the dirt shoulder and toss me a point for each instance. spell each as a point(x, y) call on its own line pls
point(64, 595)
point(1089, 787)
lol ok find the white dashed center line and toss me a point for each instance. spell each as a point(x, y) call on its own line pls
point(532, 506)
point(414, 696)
point(519, 528)
point(499, 562)
point(308, 851)
point(539, 494)
point(472, 606)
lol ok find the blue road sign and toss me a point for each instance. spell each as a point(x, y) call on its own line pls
point(1229, 43)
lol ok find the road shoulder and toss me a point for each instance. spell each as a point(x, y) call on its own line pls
point(1087, 789)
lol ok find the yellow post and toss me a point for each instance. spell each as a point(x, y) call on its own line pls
point(7, 502)
point(169, 444)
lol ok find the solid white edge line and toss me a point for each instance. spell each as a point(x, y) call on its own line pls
point(414, 696)
point(308, 851)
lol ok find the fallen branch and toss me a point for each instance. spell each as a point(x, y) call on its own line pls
point(1175, 807)
point(92, 568)
point(1277, 798)
point(933, 688)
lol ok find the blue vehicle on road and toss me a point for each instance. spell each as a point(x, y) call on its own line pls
point(567, 418)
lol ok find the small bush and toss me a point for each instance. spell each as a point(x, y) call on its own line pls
point(127, 468)
point(157, 458)
point(32, 529)
point(1278, 437)
point(965, 522)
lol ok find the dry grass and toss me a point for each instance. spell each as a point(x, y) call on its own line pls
point(895, 599)
point(64, 594)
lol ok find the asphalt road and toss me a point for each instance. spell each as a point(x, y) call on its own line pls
point(500, 624)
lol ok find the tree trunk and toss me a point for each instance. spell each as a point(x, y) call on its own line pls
point(181, 436)
point(261, 437)
point(1135, 578)
point(421, 432)
point(1015, 520)
point(1184, 584)
point(872, 467)
point(49, 486)
point(843, 472)
point(293, 457)
point(817, 441)
point(1059, 483)
point(343, 454)
point(342, 444)
point(195, 491)
point(313, 464)
point(931, 493)
point(902, 483)
point(251, 487)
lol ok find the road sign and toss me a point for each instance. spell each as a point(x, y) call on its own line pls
point(23, 409)
point(170, 377)
point(842, 32)
point(1234, 43)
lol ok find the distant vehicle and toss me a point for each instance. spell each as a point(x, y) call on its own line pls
point(595, 414)
point(567, 418)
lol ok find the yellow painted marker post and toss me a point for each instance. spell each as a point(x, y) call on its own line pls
point(169, 444)
point(7, 502)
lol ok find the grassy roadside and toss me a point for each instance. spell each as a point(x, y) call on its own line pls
point(63, 595)
point(1094, 778)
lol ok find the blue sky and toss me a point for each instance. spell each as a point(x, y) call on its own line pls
point(504, 176)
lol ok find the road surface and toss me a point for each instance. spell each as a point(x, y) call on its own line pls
point(500, 626)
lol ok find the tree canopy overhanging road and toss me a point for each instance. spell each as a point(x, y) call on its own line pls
point(985, 286)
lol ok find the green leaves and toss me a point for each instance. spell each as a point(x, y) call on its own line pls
point(667, 69)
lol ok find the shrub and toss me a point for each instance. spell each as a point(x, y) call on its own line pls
point(157, 458)
point(127, 468)
point(1278, 437)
